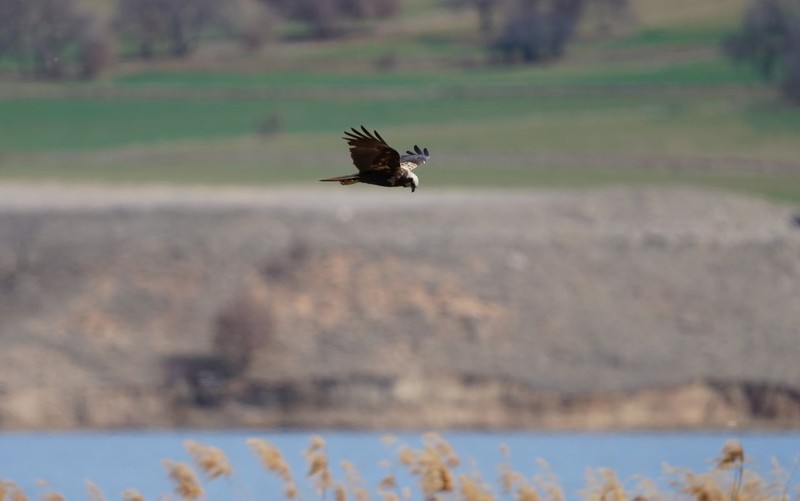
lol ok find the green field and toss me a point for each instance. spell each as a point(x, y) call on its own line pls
point(656, 105)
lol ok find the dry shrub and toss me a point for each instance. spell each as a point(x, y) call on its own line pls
point(254, 23)
point(270, 124)
point(96, 54)
point(187, 486)
point(243, 327)
point(210, 460)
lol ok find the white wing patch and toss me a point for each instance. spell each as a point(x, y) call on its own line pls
point(413, 159)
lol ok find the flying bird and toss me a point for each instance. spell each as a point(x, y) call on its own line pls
point(378, 163)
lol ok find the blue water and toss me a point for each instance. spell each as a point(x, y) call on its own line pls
point(117, 461)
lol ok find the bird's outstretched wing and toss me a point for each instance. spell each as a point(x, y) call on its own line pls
point(413, 159)
point(370, 152)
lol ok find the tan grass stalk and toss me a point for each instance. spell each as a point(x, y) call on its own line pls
point(527, 493)
point(442, 448)
point(52, 496)
point(132, 495)
point(355, 482)
point(509, 479)
point(210, 460)
point(387, 483)
point(431, 464)
point(187, 486)
point(9, 491)
point(339, 492)
point(703, 488)
point(273, 461)
point(471, 490)
point(547, 482)
point(733, 458)
point(94, 492)
point(318, 470)
point(612, 489)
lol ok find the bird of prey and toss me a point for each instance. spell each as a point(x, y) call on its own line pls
point(378, 163)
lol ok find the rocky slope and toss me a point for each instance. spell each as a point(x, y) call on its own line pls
point(371, 307)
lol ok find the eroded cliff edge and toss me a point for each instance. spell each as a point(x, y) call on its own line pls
point(375, 308)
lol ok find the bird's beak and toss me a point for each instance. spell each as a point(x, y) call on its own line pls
point(413, 188)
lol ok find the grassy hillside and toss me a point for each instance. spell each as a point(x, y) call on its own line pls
point(652, 105)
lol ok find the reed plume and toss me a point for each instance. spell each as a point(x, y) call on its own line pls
point(603, 485)
point(9, 491)
point(210, 460)
point(52, 496)
point(339, 492)
point(431, 464)
point(527, 493)
point(273, 461)
point(387, 483)
point(733, 458)
point(355, 482)
point(187, 486)
point(318, 470)
point(514, 481)
point(547, 482)
point(132, 495)
point(703, 488)
point(94, 492)
point(471, 490)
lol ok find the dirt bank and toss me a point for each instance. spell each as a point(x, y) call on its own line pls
point(371, 307)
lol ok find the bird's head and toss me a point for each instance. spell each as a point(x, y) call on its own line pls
point(412, 181)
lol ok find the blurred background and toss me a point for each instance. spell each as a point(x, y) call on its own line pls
point(604, 251)
point(607, 235)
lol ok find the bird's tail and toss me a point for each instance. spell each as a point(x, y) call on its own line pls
point(349, 179)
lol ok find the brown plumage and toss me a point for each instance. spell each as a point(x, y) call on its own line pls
point(380, 164)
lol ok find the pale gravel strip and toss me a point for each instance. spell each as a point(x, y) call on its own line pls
point(633, 212)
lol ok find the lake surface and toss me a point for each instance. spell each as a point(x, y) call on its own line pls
point(117, 461)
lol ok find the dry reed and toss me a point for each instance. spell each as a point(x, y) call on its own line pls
point(603, 485)
point(272, 459)
point(9, 491)
point(471, 490)
point(435, 468)
point(52, 496)
point(318, 471)
point(132, 495)
point(94, 492)
point(210, 460)
point(187, 486)
point(733, 458)
point(512, 481)
point(355, 482)
point(432, 464)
